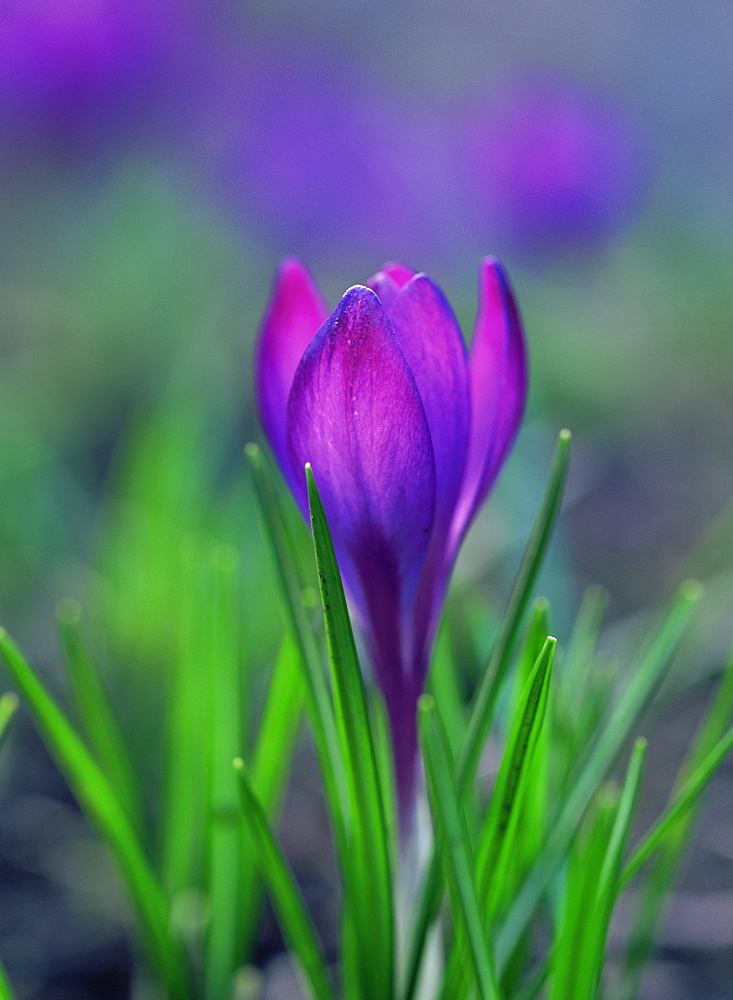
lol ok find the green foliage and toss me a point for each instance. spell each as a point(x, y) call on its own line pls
point(529, 815)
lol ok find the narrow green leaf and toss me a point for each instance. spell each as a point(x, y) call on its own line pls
point(579, 896)
point(496, 849)
point(385, 763)
point(455, 847)
point(443, 686)
point(635, 696)
point(526, 832)
point(515, 764)
point(367, 865)
point(532, 988)
point(590, 945)
point(279, 728)
point(6, 992)
point(187, 765)
point(95, 712)
point(683, 802)
point(293, 917)
point(270, 765)
point(670, 848)
point(483, 707)
point(580, 683)
point(99, 801)
point(484, 703)
point(584, 640)
point(8, 708)
point(223, 727)
point(318, 698)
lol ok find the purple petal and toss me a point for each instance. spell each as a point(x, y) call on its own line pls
point(431, 341)
point(498, 375)
point(294, 315)
point(388, 282)
point(355, 414)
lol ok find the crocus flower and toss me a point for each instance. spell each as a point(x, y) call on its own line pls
point(551, 165)
point(406, 432)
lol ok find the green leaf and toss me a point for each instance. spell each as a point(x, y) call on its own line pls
point(385, 762)
point(482, 711)
point(512, 776)
point(682, 803)
point(222, 665)
point(590, 943)
point(579, 898)
point(103, 807)
point(318, 699)
point(643, 681)
point(187, 742)
point(454, 847)
point(443, 686)
point(669, 839)
point(293, 917)
point(581, 683)
point(6, 992)
point(366, 865)
point(8, 708)
point(497, 855)
point(483, 707)
point(95, 713)
point(270, 765)
point(279, 728)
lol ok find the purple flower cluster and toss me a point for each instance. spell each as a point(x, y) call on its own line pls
point(406, 432)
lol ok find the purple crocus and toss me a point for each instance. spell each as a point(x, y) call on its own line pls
point(406, 432)
point(551, 164)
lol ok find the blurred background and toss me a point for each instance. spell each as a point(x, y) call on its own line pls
point(159, 157)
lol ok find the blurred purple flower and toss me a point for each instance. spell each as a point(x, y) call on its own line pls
point(406, 433)
point(309, 147)
point(73, 71)
point(551, 166)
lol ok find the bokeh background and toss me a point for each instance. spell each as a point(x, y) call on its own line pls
point(158, 158)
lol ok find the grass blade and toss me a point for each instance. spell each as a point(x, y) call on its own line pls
point(443, 685)
point(278, 729)
point(101, 804)
point(187, 766)
point(95, 712)
point(6, 992)
point(674, 839)
point(485, 701)
point(455, 848)
point(270, 764)
point(683, 802)
point(590, 942)
point(223, 729)
point(294, 920)
point(511, 779)
point(579, 897)
point(8, 708)
point(367, 867)
point(643, 682)
point(496, 850)
point(318, 699)
point(483, 706)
